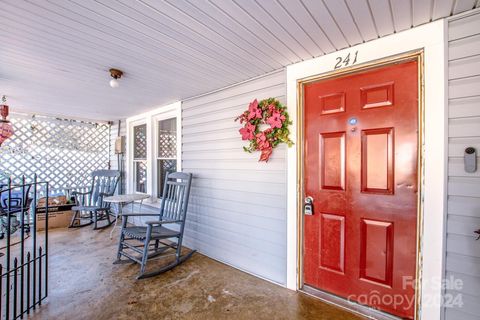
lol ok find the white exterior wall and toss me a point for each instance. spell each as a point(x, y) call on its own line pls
point(237, 209)
point(462, 251)
point(114, 164)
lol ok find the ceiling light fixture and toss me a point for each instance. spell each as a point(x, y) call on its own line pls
point(116, 74)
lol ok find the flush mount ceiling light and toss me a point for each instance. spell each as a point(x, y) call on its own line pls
point(116, 74)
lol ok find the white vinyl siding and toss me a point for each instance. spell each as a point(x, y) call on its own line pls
point(237, 210)
point(463, 252)
point(114, 158)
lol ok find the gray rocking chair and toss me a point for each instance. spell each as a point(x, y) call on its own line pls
point(173, 212)
point(90, 206)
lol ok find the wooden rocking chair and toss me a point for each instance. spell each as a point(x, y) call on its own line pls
point(173, 211)
point(90, 206)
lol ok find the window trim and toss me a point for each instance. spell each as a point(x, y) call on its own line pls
point(133, 160)
point(150, 119)
point(155, 119)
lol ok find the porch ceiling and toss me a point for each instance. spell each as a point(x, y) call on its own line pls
point(55, 54)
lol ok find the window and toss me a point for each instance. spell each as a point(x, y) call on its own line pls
point(153, 150)
point(166, 150)
point(140, 157)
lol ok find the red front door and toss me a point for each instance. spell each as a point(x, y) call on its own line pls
point(360, 160)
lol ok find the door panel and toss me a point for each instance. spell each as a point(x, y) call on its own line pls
point(332, 242)
point(376, 251)
point(377, 160)
point(360, 162)
point(332, 166)
point(332, 103)
point(377, 95)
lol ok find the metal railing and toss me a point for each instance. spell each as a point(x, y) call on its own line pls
point(24, 268)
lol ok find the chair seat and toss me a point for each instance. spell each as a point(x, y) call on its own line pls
point(87, 208)
point(140, 233)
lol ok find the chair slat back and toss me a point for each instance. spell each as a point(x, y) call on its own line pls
point(176, 192)
point(104, 183)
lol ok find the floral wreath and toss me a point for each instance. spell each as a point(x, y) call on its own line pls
point(266, 112)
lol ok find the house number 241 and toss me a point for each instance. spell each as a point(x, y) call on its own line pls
point(346, 61)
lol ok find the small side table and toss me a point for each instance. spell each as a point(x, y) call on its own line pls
point(124, 199)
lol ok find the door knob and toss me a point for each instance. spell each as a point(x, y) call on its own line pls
point(308, 206)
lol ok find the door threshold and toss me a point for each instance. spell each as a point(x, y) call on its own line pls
point(347, 305)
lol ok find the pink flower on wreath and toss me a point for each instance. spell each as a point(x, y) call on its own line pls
point(253, 111)
point(276, 120)
point(272, 108)
point(247, 131)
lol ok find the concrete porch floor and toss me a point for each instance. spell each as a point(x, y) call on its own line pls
point(84, 284)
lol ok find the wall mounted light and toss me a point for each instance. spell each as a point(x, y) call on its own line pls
point(115, 74)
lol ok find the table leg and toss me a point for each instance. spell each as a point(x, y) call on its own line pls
point(119, 214)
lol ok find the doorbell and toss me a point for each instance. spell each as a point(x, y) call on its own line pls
point(470, 159)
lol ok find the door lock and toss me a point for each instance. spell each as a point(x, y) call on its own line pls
point(308, 206)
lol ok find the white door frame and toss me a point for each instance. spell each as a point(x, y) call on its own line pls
point(432, 39)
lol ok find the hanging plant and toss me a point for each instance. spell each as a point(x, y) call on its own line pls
point(269, 113)
point(6, 128)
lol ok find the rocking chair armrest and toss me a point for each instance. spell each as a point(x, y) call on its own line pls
point(104, 194)
point(78, 193)
point(162, 221)
point(140, 214)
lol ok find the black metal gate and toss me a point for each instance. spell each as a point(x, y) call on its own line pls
point(24, 251)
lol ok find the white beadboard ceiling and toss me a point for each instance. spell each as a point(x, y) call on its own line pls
point(55, 54)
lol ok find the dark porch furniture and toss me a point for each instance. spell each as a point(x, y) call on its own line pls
point(13, 204)
point(91, 207)
point(173, 211)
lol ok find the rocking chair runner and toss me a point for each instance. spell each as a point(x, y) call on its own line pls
point(90, 205)
point(173, 211)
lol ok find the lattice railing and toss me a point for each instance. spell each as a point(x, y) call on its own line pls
point(63, 152)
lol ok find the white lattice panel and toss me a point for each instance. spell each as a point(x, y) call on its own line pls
point(62, 152)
